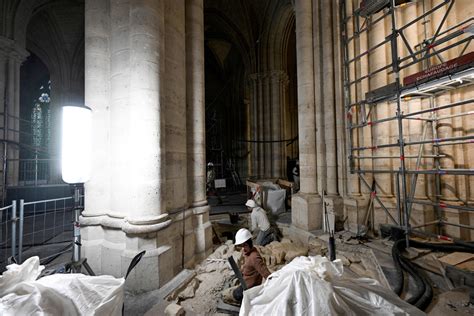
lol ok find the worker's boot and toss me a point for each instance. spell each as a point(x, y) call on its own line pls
point(228, 297)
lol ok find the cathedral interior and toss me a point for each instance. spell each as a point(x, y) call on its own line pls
point(361, 110)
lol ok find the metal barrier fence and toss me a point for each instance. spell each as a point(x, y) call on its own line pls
point(8, 223)
point(38, 228)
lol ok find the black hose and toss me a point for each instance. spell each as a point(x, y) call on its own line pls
point(420, 286)
point(423, 290)
point(399, 280)
point(468, 245)
point(464, 247)
point(425, 300)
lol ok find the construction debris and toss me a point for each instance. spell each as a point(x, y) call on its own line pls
point(174, 310)
point(455, 302)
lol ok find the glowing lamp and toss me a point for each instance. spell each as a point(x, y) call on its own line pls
point(76, 144)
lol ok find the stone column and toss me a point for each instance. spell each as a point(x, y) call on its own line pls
point(97, 94)
point(328, 97)
point(11, 58)
point(253, 121)
point(125, 200)
point(306, 212)
point(329, 103)
point(381, 133)
point(266, 122)
point(196, 125)
point(58, 100)
point(277, 105)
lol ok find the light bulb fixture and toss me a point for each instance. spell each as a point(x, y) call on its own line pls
point(76, 144)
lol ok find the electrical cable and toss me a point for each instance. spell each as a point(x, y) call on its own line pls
point(423, 289)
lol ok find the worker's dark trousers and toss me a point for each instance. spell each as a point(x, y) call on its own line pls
point(264, 237)
point(238, 294)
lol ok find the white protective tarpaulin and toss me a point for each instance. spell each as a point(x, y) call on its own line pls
point(315, 286)
point(58, 294)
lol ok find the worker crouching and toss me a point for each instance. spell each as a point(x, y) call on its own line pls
point(254, 269)
point(260, 224)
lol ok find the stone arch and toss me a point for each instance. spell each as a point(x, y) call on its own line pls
point(279, 26)
point(23, 12)
point(226, 26)
point(227, 108)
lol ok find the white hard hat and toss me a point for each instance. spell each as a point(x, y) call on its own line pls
point(210, 164)
point(242, 236)
point(251, 203)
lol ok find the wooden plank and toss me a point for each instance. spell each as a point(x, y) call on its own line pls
point(456, 258)
point(468, 265)
point(428, 263)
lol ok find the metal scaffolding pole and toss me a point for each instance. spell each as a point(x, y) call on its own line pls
point(355, 105)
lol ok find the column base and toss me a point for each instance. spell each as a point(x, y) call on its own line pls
point(306, 211)
point(335, 205)
point(109, 244)
point(202, 232)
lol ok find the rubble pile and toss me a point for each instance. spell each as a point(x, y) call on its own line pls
point(277, 254)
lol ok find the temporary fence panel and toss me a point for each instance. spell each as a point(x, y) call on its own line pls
point(8, 234)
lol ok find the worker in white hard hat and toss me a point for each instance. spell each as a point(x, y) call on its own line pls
point(254, 269)
point(260, 225)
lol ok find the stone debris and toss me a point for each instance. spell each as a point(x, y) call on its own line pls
point(174, 310)
point(358, 269)
point(316, 247)
point(343, 258)
point(214, 274)
point(350, 256)
point(454, 302)
point(189, 290)
point(277, 253)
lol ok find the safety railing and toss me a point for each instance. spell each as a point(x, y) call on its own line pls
point(38, 228)
point(8, 233)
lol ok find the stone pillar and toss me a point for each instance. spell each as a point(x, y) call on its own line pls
point(196, 125)
point(11, 58)
point(97, 93)
point(267, 129)
point(125, 199)
point(278, 81)
point(57, 102)
point(381, 133)
point(253, 122)
point(328, 97)
point(306, 206)
point(329, 103)
point(267, 90)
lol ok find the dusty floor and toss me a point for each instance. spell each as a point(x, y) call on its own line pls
point(203, 285)
point(371, 259)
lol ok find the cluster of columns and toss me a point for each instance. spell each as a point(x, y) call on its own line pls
point(144, 82)
point(317, 116)
point(268, 92)
point(11, 57)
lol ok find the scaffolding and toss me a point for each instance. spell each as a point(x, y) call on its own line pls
point(361, 103)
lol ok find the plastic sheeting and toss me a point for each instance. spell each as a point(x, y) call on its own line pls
point(58, 294)
point(276, 201)
point(316, 286)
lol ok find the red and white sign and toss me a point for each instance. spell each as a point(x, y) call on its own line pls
point(439, 70)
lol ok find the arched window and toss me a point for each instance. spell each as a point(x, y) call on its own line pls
point(40, 119)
